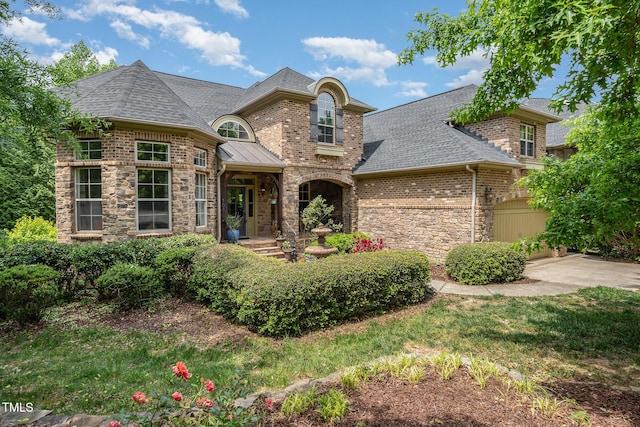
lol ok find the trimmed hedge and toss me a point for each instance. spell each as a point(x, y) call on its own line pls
point(174, 266)
point(345, 242)
point(482, 263)
point(129, 286)
point(289, 299)
point(26, 291)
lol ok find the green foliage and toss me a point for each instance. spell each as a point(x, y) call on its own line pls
point(345, 242)
point(78, 63)
point(28, 229)
point(188, 240)
point(26, 291)
point(525, 41)
point(129, 286)
point(175, 266)
point(316, 295)
point(592, 198)
point(482, 263)
point(318, 212)
point(332, 405)
point(299, 403)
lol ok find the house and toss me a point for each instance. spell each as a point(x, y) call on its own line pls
point(183, 153)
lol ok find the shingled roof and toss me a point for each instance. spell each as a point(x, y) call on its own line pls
point(134, 93)
point(418, 135)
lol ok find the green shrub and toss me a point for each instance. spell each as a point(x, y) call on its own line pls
point(482, 263)
point(290, 299)
point(26, 291)
point(212, 268)
point(129, 286)
point(58, 256)
point(174, 267)
point(188, 240)
point(345, 242)
point(28, 229)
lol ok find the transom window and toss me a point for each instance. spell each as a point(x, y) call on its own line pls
point(89, 149)
point(201, 199)
point(154, 204)
point(233, 130)
point(527, 140)
point(152, 151)
point(200, 157)
point(88, 199)
point(326, 118)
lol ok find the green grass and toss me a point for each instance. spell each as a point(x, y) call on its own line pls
point(96, 370)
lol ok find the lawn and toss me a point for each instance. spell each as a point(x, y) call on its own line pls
point(85, 359)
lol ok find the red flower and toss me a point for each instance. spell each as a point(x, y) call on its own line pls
point(177, 396)
point(181, 371)
point(203, 402)
point(269, 403)
point(210, 386)
point(113, 424)
point(230, 417)
point(139, 397)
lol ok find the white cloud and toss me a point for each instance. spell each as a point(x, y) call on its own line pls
point(371, 58)
point(106, 54)
point(124, 30)
point(472, 77)
point(412, 89)
point(30, 31)
point(233, 7)
point(476, 63)
point(218, 49)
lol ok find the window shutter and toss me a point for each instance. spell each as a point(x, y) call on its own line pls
point(339, 127)
point(313, 113)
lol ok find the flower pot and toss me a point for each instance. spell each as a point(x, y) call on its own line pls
point(279, 241)
point(287, 254)
point(233, 236)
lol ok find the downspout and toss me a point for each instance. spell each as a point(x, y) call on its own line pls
point(473, 203)
point(219, 198)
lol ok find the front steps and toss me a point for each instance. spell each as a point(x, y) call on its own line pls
point(263, 247)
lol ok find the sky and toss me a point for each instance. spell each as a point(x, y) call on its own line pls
point(241, 42)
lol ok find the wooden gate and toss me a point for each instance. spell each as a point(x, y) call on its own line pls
point(515, 220)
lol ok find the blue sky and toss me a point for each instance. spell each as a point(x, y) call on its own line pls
point(239, 42)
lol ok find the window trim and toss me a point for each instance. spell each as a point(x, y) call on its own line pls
point(201, 200)
point(77, 199)
point(528, 143)
point(168, 199)
point(88, 151)
point(241, 129)
point(200, 156)
point(324, 98)
point(153, 143)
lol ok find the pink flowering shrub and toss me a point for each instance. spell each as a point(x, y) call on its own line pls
point(192, 404)
point(363, 244)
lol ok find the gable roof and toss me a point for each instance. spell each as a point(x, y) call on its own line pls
point(134, 94)
point(418, 135)
point(556, 132)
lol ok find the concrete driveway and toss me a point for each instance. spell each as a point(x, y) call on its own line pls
point(559, 276)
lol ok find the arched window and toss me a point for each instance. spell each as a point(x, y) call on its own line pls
point(326, 118)
point(233, 130)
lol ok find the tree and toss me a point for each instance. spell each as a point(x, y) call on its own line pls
point(78, 63)
point(33, 120)
point(526, 40)
point(592, 198)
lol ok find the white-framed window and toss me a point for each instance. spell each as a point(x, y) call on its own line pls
point(89, 149)
point(88, 183)
point(326, 118)
point(149, 151)
point(527, 140)
point(153, 199)
point(233, 130)
point(200, 157)
point(201, 199)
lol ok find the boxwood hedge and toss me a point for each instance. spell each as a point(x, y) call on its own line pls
point(482, 263)
point(289, 299)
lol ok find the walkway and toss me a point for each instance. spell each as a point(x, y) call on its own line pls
point(558, 276)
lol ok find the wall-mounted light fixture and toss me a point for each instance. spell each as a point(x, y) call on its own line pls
point(488, 194)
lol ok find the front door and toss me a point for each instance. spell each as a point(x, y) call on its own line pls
point(237, 205)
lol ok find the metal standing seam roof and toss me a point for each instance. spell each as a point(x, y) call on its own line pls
point(418, 136)
point(238, 153)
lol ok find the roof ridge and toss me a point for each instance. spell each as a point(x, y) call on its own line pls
point(423, 99)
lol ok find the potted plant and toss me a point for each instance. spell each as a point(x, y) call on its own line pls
point(233, 228)
point(279, 238)
point(287, 249)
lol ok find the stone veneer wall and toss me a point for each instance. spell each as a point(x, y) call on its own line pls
point(430, 212)
point(118, 167)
